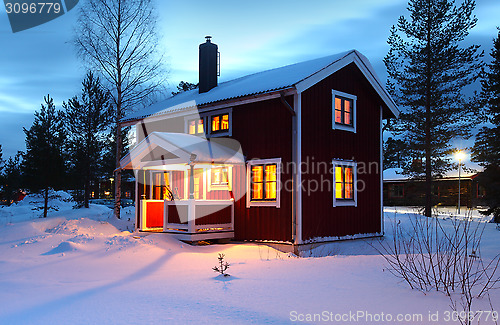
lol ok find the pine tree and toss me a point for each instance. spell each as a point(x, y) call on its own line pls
point(428, 71)
point(184, 86)
point(44, 162)
point(87, 123)
point(12, 177)
point(487, 146)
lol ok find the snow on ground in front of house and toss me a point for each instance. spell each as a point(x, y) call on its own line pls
point(82, 266)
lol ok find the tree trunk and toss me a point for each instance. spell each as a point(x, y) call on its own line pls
point(86, 193)
point(45, 202)
point(118, 172)
point(428, 144)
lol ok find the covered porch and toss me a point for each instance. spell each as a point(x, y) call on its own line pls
point(184, 185)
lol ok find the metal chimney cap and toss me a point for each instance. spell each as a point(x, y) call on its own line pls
point(208, 38)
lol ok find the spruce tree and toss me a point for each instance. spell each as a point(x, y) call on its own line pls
point(44, 162)
point(487, 146)
point(428, 70)
point(87, 123)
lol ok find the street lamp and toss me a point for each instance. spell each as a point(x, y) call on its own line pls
point(459, 155)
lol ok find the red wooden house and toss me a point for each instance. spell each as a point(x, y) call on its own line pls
point(290, 155)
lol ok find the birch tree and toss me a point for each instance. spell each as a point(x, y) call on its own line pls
point(119, 40)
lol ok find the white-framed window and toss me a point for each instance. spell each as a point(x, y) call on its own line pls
point(196, 126)
point(220, 178)
point(264, 183)
point(343, 111)
point(210, 124)
point(344, 183)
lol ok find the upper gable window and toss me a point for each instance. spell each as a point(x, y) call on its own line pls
point(343, 111)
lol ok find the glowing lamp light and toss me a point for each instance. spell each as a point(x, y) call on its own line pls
point(460, 155)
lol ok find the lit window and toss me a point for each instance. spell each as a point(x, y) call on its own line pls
point(344, 180)
point(200, 126)
point(263, 182)
point(215, 123)
point(219, 176)
point(224, 125)
point(192, 127)
point(220, 123)
point(344, 183)
point(344, 111)
point(196, 127)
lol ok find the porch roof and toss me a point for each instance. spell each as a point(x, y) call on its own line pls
point(165, 148)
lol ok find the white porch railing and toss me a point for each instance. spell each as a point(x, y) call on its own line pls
point(190, 214)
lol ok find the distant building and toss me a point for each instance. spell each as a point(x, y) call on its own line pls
point(402, 191)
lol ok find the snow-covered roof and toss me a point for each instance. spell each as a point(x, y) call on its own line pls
point(298, 76)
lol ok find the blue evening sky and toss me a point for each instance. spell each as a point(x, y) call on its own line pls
point(252, 36)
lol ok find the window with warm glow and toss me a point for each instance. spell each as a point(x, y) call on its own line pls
point(220, 123)
point(196, 127)
point(224, 124)
point(264, 182)
point(215, 123)
point(344, 183)
point(219, 176)
point(344, 180)
point(343, 111)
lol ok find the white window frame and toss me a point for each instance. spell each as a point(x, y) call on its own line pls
point(227, 187)
point(276, 203)
point(354, 165)
point(354, 98)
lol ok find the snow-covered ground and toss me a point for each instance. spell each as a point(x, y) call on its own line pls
point(82, 266)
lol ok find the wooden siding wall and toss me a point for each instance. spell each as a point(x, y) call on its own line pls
point(264, 130)
point(319, 141)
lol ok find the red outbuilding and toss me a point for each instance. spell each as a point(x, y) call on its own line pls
point(290, 155)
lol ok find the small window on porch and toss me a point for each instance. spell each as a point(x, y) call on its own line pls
point(220, 178)
point(263, 182)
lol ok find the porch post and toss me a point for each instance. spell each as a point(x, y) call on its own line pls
point(191, 201)
point(191, 182)
point(137, 201)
